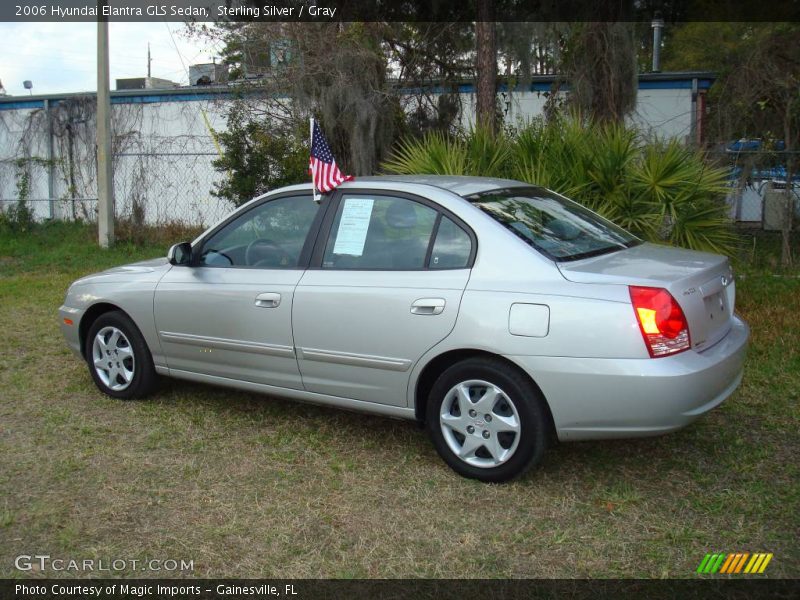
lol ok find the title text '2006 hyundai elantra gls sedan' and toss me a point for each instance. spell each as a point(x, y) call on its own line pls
point(500, 314)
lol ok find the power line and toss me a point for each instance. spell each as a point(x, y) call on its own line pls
point(172, 37)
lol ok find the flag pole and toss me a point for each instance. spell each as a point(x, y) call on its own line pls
point(310, 146)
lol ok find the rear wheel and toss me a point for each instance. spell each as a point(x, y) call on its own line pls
point(119, 360)
point(487, 420)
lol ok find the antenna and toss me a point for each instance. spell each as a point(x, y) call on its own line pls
point(149, 60)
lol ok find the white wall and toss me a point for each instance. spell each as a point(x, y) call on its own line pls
point(164, 150)
point(162, 158)
point(666, 113)
point(16, 140)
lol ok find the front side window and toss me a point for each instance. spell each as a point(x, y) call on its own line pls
point(379, 232)
point(269, 236)
point(559, 228)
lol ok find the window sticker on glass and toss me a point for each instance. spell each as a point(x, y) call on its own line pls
point(353, 225)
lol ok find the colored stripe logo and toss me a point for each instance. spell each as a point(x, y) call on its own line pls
point(735, 563)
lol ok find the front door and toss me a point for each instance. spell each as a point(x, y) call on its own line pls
point(229, 314)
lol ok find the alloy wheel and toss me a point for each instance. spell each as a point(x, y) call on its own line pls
point(480, 423)
point(113, 359)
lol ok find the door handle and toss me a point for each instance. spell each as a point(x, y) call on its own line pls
point(428, 306)
point(268, 300)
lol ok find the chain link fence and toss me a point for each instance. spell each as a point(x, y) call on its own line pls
point(149, 188)
point(156, 188)
point(162, 157)
point(162, 188)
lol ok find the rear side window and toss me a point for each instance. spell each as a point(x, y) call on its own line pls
point(452, 247)
point(379, 232)
point(559, 228)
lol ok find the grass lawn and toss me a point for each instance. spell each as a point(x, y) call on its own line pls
point(249, 486)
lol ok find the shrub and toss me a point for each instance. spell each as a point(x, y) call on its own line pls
point(258, 157)
point(660, 190)
point(18, 217)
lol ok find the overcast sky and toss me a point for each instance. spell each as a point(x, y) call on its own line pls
point(62, 57)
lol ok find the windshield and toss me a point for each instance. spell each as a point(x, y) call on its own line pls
point(559, 228)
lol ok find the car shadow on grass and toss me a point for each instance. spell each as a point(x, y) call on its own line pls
point(687, 450)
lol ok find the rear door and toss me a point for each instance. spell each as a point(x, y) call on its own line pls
point(385, 285)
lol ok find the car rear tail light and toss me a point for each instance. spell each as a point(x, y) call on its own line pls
point(661, 320)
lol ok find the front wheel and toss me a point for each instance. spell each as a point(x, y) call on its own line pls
point(487, 420)
point(119, 360)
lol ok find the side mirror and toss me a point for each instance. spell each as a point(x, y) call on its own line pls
point(180, 254)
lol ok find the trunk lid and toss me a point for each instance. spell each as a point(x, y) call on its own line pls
point(700, 282)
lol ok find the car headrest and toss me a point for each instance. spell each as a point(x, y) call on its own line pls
point(401, 215)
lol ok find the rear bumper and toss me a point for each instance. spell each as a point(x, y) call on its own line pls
point(593, 398)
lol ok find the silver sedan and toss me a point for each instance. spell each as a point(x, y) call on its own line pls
point(502, 315)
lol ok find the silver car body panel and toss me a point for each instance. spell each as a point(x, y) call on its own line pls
point(131, 288)
point(358, 340)
point(210, 320)
point(602, 398)
point(350, 339)
point(702, 283)
point(386, 410)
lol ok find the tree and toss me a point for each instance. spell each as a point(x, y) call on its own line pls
point(429, 61)
point(528, 49)
point(257, 157)
point(351, 82)
point(757, 91)
point(336, 72)
point(348, 75)
point(485, 67)
point(599, 63)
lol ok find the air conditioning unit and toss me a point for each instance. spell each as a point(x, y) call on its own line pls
point(208, 74)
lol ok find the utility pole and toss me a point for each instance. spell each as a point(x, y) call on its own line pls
point(105, 178)
point(149, 60)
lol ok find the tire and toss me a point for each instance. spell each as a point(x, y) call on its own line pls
point(516, 411)
point(118, 358)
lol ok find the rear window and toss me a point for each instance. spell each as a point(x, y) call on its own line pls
point(561, 229)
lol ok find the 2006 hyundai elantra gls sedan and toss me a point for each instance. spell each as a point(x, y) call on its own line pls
point(500, 314)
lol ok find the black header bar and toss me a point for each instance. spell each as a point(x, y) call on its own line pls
point(395, 589)
point(398, 10)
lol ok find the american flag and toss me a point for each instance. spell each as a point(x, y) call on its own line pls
point(324, 172)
